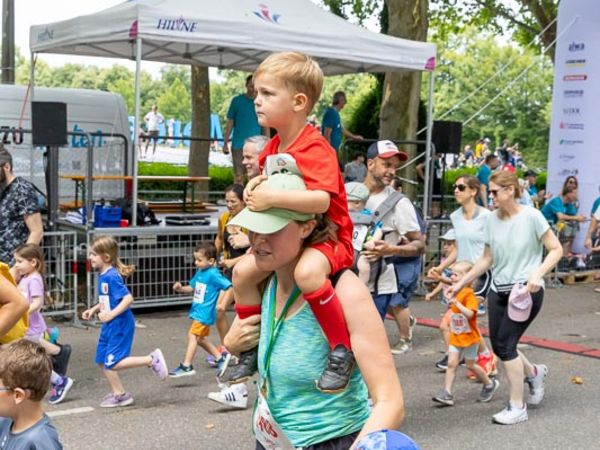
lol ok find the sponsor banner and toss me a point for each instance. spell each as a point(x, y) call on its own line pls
point(575, 106)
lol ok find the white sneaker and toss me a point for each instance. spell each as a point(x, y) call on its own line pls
point(537, 385)
point(403, 346)
point(511, 415)
point(235, 396)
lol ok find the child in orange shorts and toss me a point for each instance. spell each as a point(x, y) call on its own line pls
point(207, 285)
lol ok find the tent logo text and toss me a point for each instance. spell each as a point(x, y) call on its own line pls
point(46, 35)
point(576, 46)
point(177, 25)
point(576, 77)
point(265, 14)
point(573, 93)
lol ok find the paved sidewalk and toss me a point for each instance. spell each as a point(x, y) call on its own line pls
point(177, 413)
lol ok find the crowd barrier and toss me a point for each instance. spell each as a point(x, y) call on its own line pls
point(161, 255)
point(60, 253)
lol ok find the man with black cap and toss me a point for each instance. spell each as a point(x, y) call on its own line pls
point(20, 218)
point(402, 245)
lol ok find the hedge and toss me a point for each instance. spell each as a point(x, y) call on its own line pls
point(220, 177)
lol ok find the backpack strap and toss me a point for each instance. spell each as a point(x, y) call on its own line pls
point(387, 205)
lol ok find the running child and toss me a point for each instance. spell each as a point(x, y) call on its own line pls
point(364, 234)
point(25, 369)
point(288, 85)
point(464, 340)
point(207, 285)
point(29, 271)
point(118, 324)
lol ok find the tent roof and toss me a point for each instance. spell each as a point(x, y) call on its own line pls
point(236, 34)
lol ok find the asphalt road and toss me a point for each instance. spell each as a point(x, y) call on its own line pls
point(176, 414)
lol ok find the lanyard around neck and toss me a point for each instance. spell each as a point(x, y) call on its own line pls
point(274, 325)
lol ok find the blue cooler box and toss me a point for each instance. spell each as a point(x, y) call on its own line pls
point(107, 216)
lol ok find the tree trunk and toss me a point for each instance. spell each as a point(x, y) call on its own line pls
point(198, 159)
point(401, 90)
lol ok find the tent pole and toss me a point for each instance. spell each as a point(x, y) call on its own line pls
point(136, 127)
point(31, 86)
point(428, 150)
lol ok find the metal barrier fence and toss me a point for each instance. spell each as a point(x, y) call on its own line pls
point(60, 253)
point(162, 256)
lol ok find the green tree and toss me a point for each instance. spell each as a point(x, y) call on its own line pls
point(521, 113)
point(523, 18)
point(175, 102)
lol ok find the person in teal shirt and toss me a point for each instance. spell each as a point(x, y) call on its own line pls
point(331, 125)
point(490, 164)
point(562, 207)
point(241, 118)
point(305, 415)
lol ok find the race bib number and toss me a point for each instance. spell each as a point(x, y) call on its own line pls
point(358, 237)
point(104, 301)
point(199, 293)
point(266, 430)
point(459, 324)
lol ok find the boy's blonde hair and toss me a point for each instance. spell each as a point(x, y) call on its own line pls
point(26, 365)
point(463, 266)
point(107, 246)
point(299, 72)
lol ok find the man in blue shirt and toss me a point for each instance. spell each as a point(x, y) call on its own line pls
point(562, 207)
point(331, 125)
point(241, 118)
point(490, 164)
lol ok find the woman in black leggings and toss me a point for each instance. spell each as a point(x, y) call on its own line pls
point(515, 238)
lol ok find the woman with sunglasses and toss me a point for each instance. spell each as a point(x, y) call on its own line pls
point(469, 223)
point(515, 237)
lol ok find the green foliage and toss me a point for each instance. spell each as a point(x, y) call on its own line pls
point(176, 101)
point(519, 19)
point(466, 62)
point(361, 10)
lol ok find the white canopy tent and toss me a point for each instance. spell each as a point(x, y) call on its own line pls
point(235, 34)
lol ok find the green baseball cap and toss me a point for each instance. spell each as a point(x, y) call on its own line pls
point(273, 219)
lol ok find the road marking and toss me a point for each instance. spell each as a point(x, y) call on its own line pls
point(548, 344)
point(68, 412)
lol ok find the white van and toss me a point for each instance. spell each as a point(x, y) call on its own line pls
point(87, 111)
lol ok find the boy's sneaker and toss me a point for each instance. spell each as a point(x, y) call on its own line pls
point(537, 385)
point(486, 362)
point(445, 398)
point(223, 363)
point(114, 401)
point(487, 392)
point(60, 390)
point(247, 366)
point(182, 371)
point(211, 361)
point(412, 322)
point(235, 396)
point(403, 346)
point(53, 334)
point(60, 362)
point(481, 309)
point(158, 364)
point(511, 415)
point(337, 373)
point(442, 364)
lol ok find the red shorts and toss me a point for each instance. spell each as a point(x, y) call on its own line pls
point(339, 256)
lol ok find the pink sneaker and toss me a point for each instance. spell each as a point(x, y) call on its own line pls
point(115, 401)
point(159, 365)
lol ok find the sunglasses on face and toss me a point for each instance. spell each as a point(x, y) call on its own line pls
point(460, 187)
point(494, 192)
